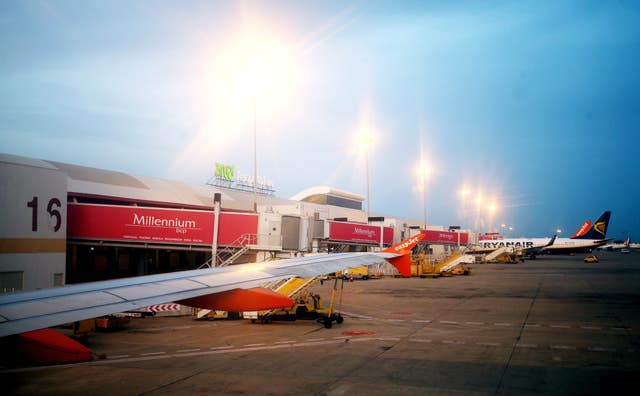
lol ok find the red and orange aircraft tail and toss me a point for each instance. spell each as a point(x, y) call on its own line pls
point(586, 226)
point(403, 263)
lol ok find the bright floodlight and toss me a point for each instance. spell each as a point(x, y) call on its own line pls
point(363, 141)
point(423, 170)
point(265, 72)
point(367, 138)
point(257, 64)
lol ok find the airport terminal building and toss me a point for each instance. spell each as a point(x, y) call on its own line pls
point(64, 224)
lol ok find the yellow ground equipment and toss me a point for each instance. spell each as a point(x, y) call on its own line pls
point(86, 327)
point(591, 259)
point(112, 322)
point(503, 255)
point(456, 264)
point(361, 272)
point(83, 328)
point(203, 313)
point(305, 305)
point(462, 269)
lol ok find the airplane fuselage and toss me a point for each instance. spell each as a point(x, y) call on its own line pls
point(569, 246)
point(516, 243)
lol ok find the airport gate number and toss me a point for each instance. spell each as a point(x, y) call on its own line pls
point(33, 204)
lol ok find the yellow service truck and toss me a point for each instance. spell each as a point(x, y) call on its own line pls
point(361, 272)
point(308, 306)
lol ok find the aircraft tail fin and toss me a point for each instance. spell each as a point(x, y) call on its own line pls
point(599, 229)
point(627, 242)
point(403, 262)
point(582, 230)
point(407, 244)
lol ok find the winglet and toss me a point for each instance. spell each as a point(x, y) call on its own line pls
point(403, 262)
point(551, 241)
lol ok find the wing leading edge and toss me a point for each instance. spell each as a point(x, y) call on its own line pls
point(25, 311)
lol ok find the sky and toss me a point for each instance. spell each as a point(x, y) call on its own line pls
point(532, 108)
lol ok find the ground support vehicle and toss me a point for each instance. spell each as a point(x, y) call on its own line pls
point(112, 322)
point(504, 255)
point(84, 328)
point(361, 272)
point(306, 305)
point(203, 313)
point(456, 264)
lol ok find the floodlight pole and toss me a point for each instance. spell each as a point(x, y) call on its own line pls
point(366, 156)
point(255, 162)
point(424, 197)
point(217, 198)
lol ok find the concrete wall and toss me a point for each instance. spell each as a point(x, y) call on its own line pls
point(33, 225)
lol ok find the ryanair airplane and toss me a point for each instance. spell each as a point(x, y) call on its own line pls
point(587, 238)
point(529, 246)
point(583, 242)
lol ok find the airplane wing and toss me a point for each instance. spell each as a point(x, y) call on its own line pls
point(25, 311)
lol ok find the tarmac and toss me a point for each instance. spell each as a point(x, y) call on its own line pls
point(553, 326)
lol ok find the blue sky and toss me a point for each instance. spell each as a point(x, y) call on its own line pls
point(535, 105)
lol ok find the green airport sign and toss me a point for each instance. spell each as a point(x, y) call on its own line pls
point(225, 172)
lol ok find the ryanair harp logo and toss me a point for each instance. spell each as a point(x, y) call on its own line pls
point(599, 227)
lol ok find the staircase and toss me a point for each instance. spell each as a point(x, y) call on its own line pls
point(454, 260)
point(228, 254)
point(495, 254)
point(292, 288)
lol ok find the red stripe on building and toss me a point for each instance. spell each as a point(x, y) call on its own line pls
point(156, 225)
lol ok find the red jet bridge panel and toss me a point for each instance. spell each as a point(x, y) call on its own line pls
point(355, 232)
point(448, 237)
point(156, 225)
